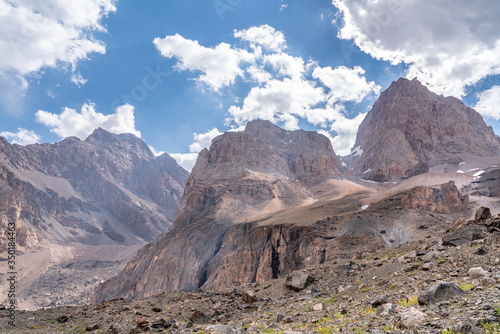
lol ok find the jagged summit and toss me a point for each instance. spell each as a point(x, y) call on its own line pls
point(410, 129)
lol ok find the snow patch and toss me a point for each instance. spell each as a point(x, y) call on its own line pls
point(364, 207)
point(478, 173)
point(369, 181)
point(368, 171)
point(462, 163)
point(460, 171)
point(357, 151)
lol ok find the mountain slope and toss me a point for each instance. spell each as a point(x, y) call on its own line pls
point(410, 129)
point(87, 191)
point(76, 203)
point(243, 175)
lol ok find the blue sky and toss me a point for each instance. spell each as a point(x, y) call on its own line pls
point(177, 73)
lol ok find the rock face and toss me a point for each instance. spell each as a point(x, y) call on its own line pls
point(244, 174)
point(445, 198)
point(108, 189)
point(410, 129)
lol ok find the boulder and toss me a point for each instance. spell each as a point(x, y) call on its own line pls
point(475, 273)
point(464, 235)
point(440, 292)
point(386, 309)
point(298, 280)
point(380, 301)
point(222, 329)
point(408, 318)
point(249, 297)
point(482, 214)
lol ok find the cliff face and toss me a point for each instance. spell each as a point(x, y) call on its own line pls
point(108, 189)
point(410, 128)
point(243, 175)
point(444, 199)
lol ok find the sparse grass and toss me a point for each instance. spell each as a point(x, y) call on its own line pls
point(366, 289)
point(448, 331)
point(393, 287)
point(332, 300)
point(466, 286)
point(408, 302)
point(491, 328)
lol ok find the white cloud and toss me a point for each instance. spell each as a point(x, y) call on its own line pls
point(346, 84)
point(346, 130)
point(203, 140)
point(448, 45)
point(258, 74)
point(155, 152)
point(278, 101)
point(264, 36)
point(285, 88)
point(39, 33)
point(286, 65)
point(220, 65)
point(81, 124)
point(185, 160)
point(489, 103)
point(21, 137)
point(78, 80)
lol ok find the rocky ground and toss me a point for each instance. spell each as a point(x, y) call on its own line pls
point(443, 285)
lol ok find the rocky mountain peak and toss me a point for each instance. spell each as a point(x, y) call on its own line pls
point(264, 130)
point(410, 129)
point(243, 175)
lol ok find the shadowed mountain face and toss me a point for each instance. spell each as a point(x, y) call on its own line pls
point(410, 129)
point(108, 189)
point(244, 174)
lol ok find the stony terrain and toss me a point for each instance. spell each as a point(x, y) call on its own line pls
point(432, 286)
point(410, 129)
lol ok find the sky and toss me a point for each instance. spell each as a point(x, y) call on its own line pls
point(179, 73)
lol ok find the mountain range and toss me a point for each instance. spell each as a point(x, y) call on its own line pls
point(70, 198)
point(258, 205)
point(264, 202)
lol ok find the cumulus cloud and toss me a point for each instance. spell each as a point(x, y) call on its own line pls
point(185, 160)
point(264, 36)
point(346, 84)
point(447, 45)
point(345, 130)
point(201, 141)
point(488, 104)
point(21, 137)
point(39, 34)
point(220, 65)
point(278, 101)
point(81, 124)
point(285, 89)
